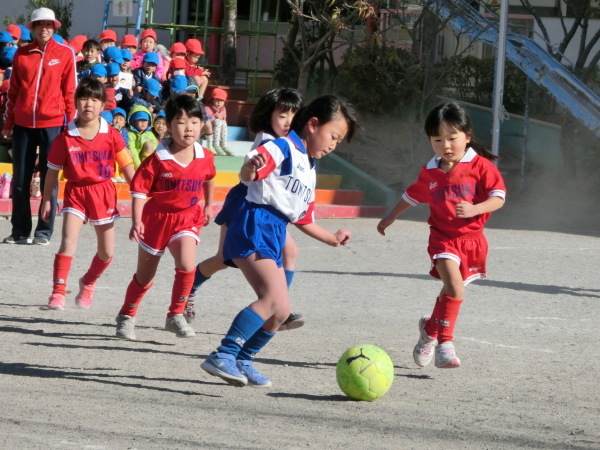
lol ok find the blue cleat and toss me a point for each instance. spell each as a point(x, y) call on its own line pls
point(255, 379)
point(223, 365)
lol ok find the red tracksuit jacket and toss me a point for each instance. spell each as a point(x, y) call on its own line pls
point(41, 93)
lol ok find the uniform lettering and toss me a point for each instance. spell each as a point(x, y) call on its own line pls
point(296, 187)
point(91, 156)
point(454, 191)
point(181, 185)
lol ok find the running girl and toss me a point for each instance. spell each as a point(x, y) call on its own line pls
point(86, 153)
point(281, 182)
point(173, 179)
point(462, 187)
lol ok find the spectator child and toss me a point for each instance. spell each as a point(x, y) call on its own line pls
point(148, 44)
point(216, 124)
point(140, 139)
point(25, 36)
point(15, 33)
point(149, 97)
point(129, 42)
point(91, 52)
point(89, 194)
point(99, 72)
point(167, 213)
point(159, 126)
point(108, 38)
point(193, 53)
point(146, 72)
point(112, 79)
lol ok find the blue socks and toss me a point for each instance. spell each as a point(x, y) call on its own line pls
point(255, 344)
point(243, 327)
point(289, 276)
point(199, 280)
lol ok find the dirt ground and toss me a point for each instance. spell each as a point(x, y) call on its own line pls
point(527, 339)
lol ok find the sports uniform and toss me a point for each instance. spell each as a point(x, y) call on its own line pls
point(89, 166)
point(474, 179)
point(237, 194)
point(282, 192)
point(174, 192)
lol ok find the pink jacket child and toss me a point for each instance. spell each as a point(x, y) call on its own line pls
point(148, 44)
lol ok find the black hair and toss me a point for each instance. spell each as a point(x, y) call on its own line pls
point(91, 88)
point(326, 109)
point(279, 99)
point(182, 103)
point(91, 43)
point(457, 117)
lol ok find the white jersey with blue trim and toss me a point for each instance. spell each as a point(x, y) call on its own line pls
point(287, 181)
point(262, 137)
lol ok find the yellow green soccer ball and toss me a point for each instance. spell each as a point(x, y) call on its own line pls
point(365, 372)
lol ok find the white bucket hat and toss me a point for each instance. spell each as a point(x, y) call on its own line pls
point(42, 14)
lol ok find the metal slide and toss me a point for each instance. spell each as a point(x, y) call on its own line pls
point(528, 56)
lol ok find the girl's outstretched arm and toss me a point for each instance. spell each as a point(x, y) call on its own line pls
point(400, 207)
point(316, 231)
point(49, 183)
point(209, 194)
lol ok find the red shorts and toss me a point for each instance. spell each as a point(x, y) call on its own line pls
point(94, 202)
point(161, 228)
point(470, 253)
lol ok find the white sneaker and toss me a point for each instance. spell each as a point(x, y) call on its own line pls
point(445, 356)
point(125, 327)
point(424, 350)
point(178, 325)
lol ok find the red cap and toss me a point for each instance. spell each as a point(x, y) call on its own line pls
point(177, 64)
point(77, 42)
point(4, 86)
point(178, 47)
point(148, 33)
point(14, 31)
point(108, 35)
point(219, 94)
point(194, 46)
point(129, 40)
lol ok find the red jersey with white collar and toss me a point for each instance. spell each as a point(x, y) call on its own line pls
point(86, 162)
point(474, 179)
point(169, 185)
point(287, 181)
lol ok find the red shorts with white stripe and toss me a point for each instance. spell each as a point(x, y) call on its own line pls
point(162, 228)
point(96, 203)
point(469, 252)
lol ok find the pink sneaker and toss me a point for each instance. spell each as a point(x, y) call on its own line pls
point(445, 356)
point(424, 350)
point(86, 295)
point(56, 302)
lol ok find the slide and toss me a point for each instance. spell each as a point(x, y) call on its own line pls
point(528, 56)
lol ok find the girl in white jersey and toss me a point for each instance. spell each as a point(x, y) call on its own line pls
point(271, 118)
point(281, 182)
point(462, 187)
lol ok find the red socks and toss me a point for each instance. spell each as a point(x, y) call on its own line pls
point(133, 297)
point(443, 318)
point(62, 266)
point(96, 269)
point(449, 308)
point(181, 291)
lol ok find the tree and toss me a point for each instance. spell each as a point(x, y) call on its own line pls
point(229, 61)
point(314, 25)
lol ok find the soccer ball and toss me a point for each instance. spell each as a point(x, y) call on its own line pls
point(365, 372)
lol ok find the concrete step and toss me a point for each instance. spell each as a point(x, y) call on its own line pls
point(323, 211)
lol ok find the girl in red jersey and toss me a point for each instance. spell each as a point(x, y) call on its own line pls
point(462, 187)
point(173, 179)
point(86, 152)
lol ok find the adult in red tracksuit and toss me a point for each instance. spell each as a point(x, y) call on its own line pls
point(41, 100)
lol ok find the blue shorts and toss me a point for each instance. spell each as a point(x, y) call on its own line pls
point(255, 229)
point(233, 205)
